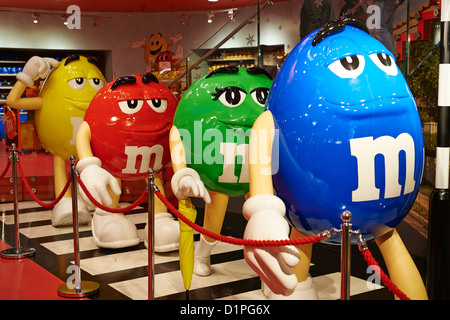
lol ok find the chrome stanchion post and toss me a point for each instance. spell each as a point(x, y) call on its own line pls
point(18, 252)
point(346, 227)
point(151, 233)
point(81, 288)
point(76, 242)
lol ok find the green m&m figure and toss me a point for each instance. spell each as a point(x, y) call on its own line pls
point(209, 144)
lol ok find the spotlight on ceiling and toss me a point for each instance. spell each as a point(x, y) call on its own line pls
point(210, 16)
point(183, 19)
point(231, 14)
point(35, 18)
point(64, 19)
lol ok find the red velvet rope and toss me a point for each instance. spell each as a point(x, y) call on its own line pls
point(264, 243)
point(236, 241)
point(44, 204)
point(113, 210)
point(8, 164)
point(384, 278)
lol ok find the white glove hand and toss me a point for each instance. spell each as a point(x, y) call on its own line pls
point(35, 68)
point(186, 183)
point(265, 215)
point(96, 179)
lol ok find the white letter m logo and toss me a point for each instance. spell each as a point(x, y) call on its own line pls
point(365, 150)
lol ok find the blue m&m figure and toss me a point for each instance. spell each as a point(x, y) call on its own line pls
point(350, 134)
point(344, 135)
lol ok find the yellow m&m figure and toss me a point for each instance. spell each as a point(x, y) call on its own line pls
point(60, 107)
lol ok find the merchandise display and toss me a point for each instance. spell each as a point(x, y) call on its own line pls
point(10, 65)
point(337, 151)
point(125, 133)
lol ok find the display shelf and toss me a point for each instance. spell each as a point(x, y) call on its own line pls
point(271, 56)
point(231, 60)
point(8, 70)
point(12, 62)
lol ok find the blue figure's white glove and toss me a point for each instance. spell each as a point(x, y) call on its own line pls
point(96, 179)
point(35, 68)
point(265, 215)
point(186, 183)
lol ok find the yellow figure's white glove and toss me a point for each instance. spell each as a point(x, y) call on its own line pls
point(35, 68)
point(96, 179)
point(265, 214)
point(186, 183)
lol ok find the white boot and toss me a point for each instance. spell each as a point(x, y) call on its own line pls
point(113, 230)
point(167, 233)
point(202, 257)
point(62, 213)
point(305, 290)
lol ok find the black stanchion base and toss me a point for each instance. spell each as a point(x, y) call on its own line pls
point(88, 288)
point(17, 253)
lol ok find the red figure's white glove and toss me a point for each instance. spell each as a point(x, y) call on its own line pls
point(96, 179)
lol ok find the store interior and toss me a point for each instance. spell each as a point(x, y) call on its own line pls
point(196, 37)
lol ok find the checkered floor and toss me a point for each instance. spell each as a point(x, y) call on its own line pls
point(122, 274)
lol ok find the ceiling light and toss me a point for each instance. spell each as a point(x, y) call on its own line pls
point(210, 16)
point(183, 19)
point(64, 18)
point(35, 18)
point(213, 0)
point(231, 14)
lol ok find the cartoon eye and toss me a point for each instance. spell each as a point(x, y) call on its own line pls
point(348, 67)
point(230, 96)
point(131, 106)
point(96, 83)
point(385, 62)
point(260, 95)
point(158, 105)
point(77, 83)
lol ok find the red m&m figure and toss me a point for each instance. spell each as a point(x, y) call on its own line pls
point(125, 132)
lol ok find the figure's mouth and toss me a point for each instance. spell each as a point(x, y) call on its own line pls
point(145, 131)
point(79, 104)
point(154, 52)
point(236, 124)
point(378, 106)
